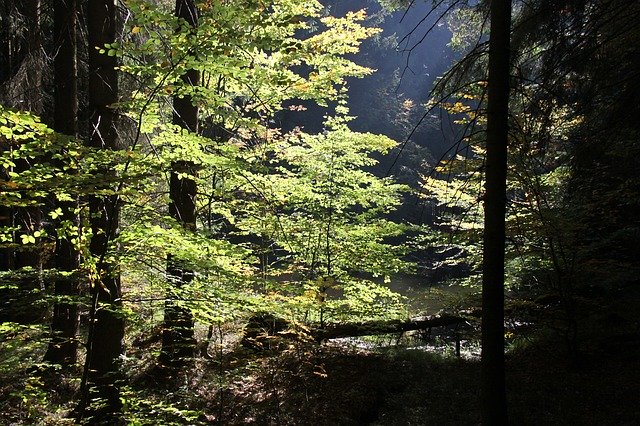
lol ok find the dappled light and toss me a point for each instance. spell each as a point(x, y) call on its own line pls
point(312, 212)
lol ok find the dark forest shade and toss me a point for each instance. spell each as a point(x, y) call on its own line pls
point(494, 405)
point(178, 341)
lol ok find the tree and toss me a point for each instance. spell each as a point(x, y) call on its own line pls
point(234, 71)
point(250, 65)
point(177, 334)
point(105, 340)
point(494, 403)
point(460, 81)
point(603, 190)
point(64, 324)
point(21, 77)
point(324, 225)
point(22, 55)
point(455, 81)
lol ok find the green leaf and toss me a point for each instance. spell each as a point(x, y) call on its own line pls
point(56, 213)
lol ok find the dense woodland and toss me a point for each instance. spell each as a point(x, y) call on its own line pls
point(268, 212)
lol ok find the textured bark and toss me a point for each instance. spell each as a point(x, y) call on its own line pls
point(494, 404)
point(33, 75)
point(178, 341)
point(22, 89)
point(65, 67)
point(261, 328)
point(105, 342)
point(21, 56)
point(386, 327)
point(7, 53)
point(65, 322)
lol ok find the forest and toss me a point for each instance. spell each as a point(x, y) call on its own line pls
point(319, 212)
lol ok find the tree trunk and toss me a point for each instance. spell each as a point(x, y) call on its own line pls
point(21, 57)
point(494, 404)
point(178, 341)
point(262, 328)
point(64, 324)
point(105, 341)
point(33, 75)
point(22, 89)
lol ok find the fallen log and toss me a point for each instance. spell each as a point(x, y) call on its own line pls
point(262, 329)
point(334, 331)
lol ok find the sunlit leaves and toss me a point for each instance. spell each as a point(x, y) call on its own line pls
point(306, 202)
point(314, 199)
point(263, 55)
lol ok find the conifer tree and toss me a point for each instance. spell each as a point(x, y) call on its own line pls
point(105, 341)
point(494, 405)
point(64, 324)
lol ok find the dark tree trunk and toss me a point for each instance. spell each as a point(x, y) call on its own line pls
point(65, 68)
point(8, 52)
point(178, 343)
point(64, 324)
point(494, 404)
point(105, 342)
point(34, 98)
point(21, 56)
point(261, 329)
point(22, 89)
point(6, 67)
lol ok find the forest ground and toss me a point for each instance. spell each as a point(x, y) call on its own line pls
point(331, 385)
point(338, 384)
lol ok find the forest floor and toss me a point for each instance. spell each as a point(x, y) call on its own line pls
point(422, 382)
point(339, 384)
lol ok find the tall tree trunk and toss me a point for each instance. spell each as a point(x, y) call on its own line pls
point(494, 403)
point(105, 342)
point(22, 89)
point(33, 75)
point(21, 55)
point(64, 324)
point(178, 342)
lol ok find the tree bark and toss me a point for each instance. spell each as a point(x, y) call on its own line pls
point(494, 404)
point(372, 328)
point(22, 89)
point(21, 57)
point(65, 322)
point(105, 342)
point(178, 343)
point(33, 77)
point(261, 326)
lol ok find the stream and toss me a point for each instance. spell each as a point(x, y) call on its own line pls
point(428, 299)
